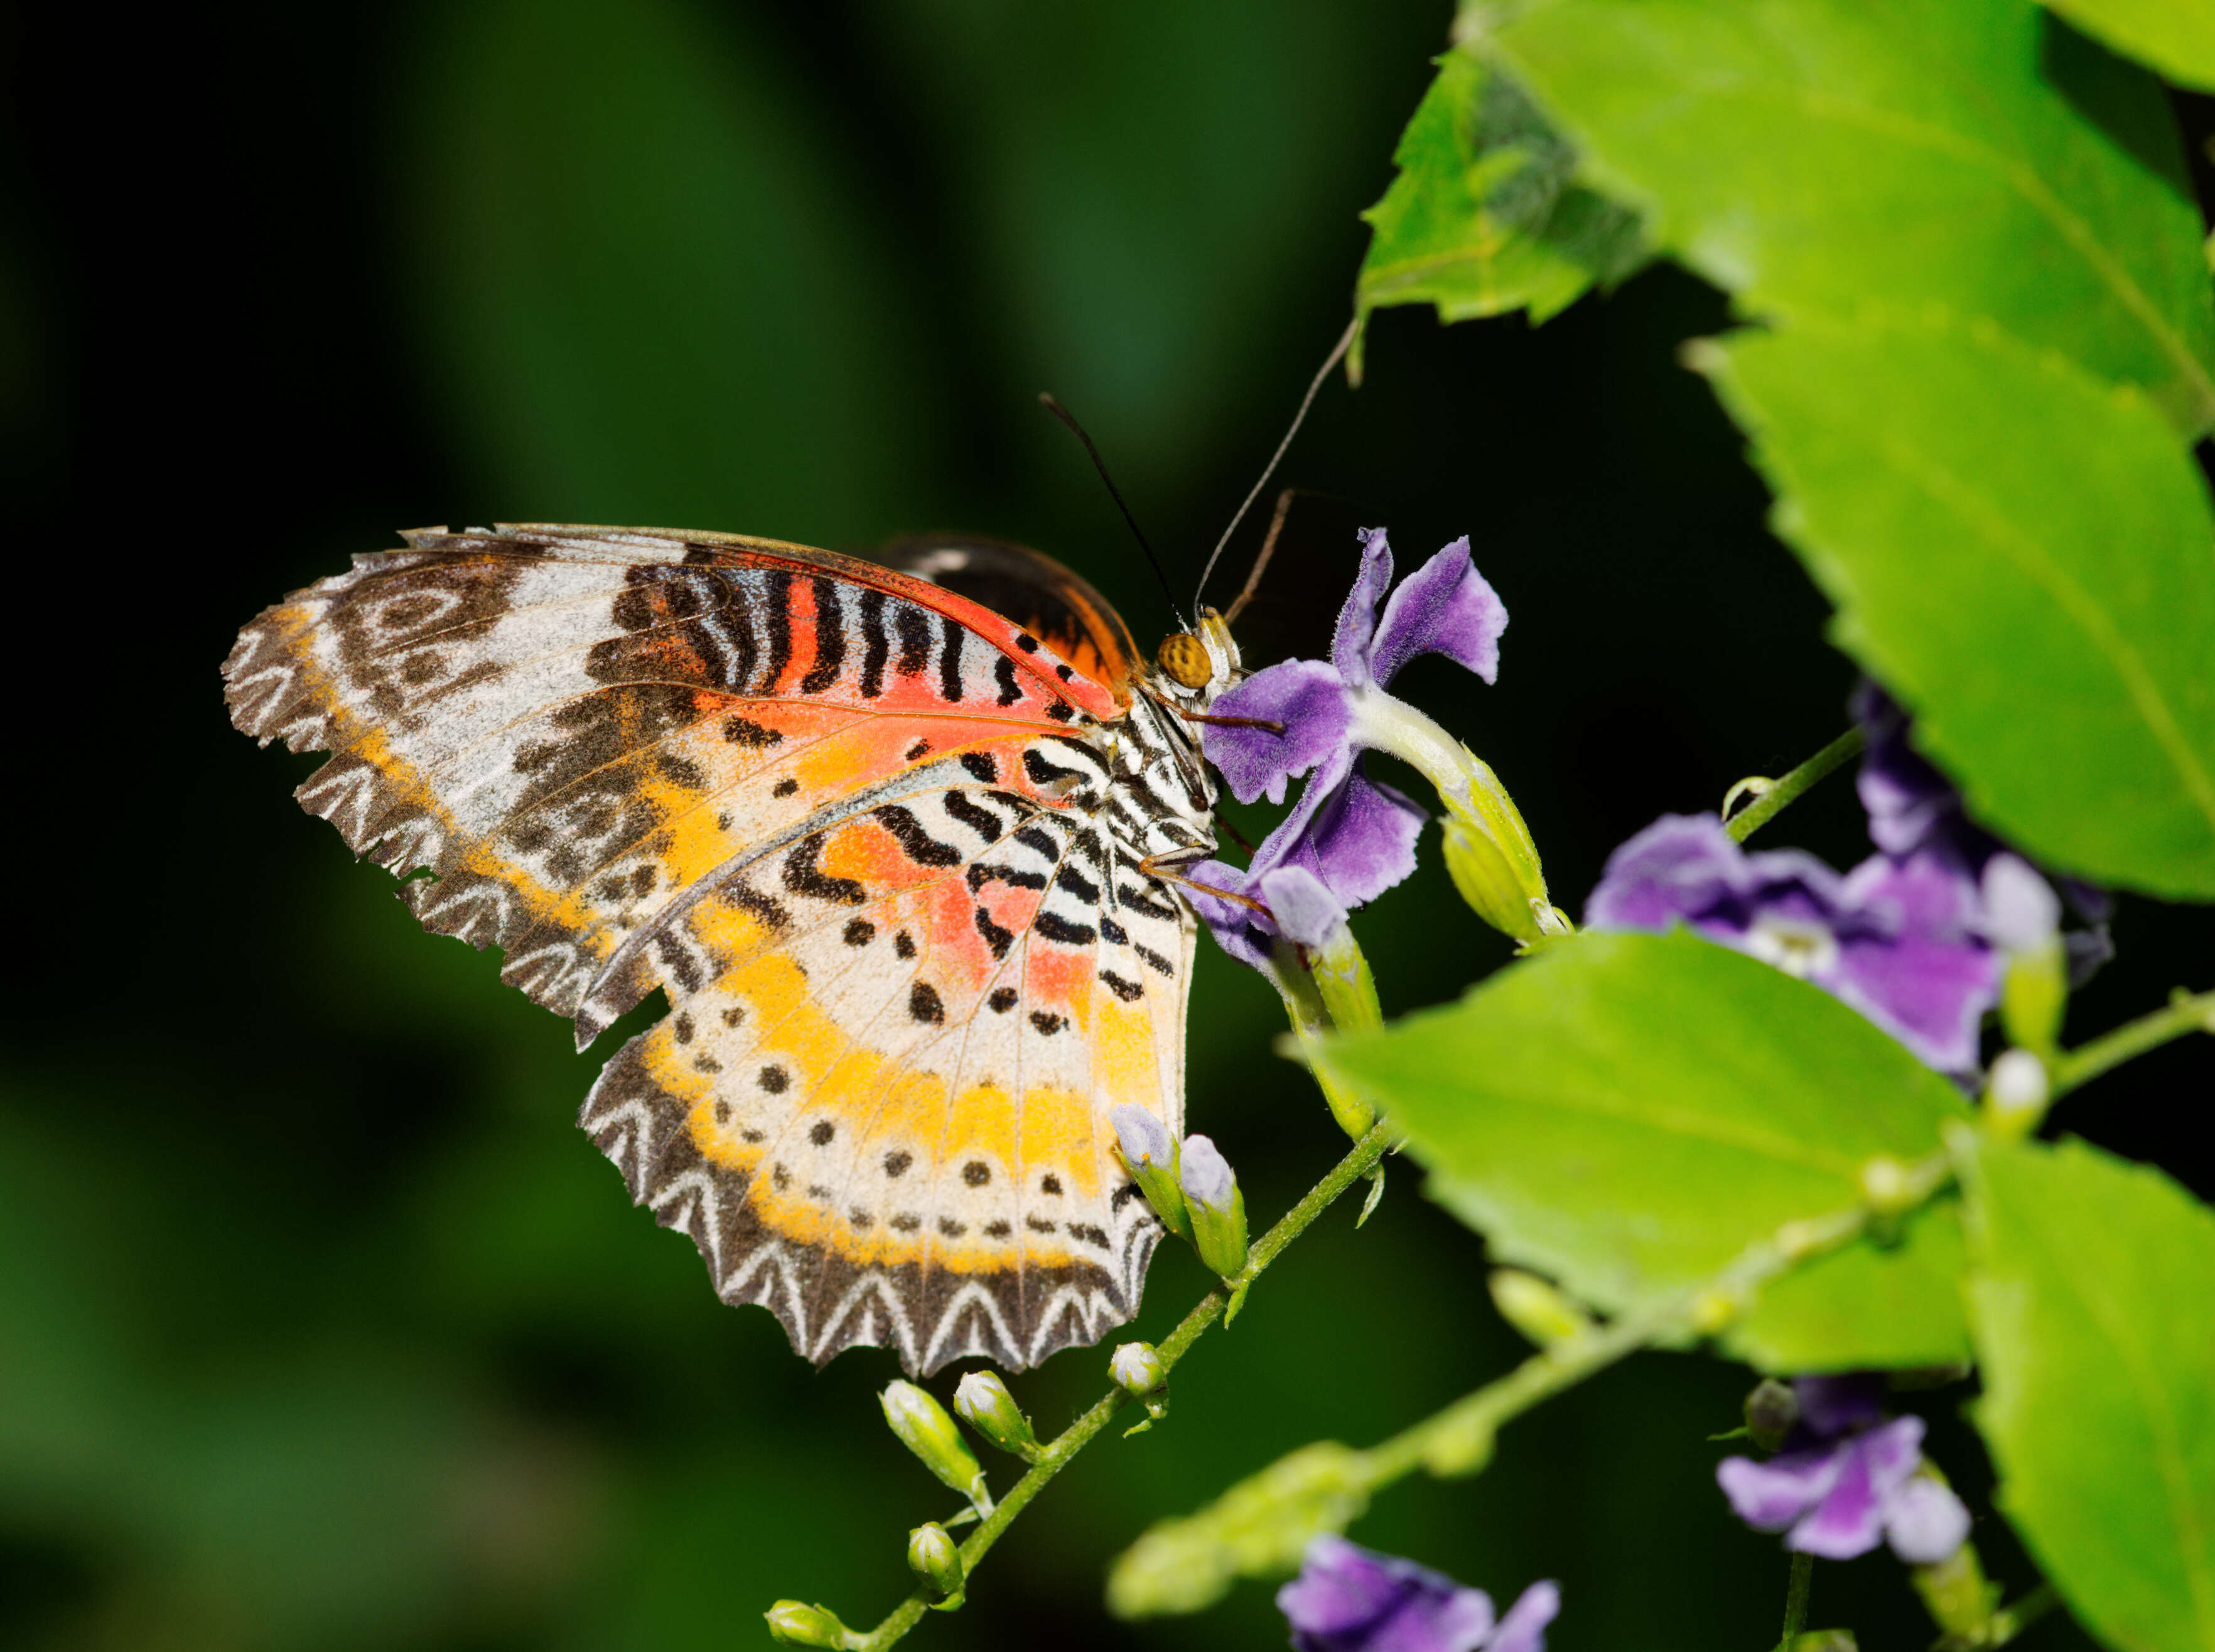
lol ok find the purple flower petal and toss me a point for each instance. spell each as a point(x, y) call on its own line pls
point(1305, 910)
point(1929, 995)
point(1872, 1467)
point(1769, 1497)
point(1447, 607)
point(1238, 929)
point(1924, 1522)
point(1524, 1628)
point(1848, 1521)
point(1681, 865)
point(1307, 698)
point(1357, 620)
point(1925, 894)
point(1831, 1406)
point(1358, 838)
point(1348, 1598)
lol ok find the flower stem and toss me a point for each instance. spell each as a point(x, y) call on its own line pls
point(1781, 793)
point(2010, 1621)
point(1055, 1455)
point(1795, 1598)
point(2183, 1013)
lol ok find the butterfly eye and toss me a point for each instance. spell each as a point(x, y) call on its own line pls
point(1185, 658)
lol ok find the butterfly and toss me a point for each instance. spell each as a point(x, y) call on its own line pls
point(896, 840)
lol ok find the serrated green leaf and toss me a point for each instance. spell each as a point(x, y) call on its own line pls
point(1628, 1112)
point(2176, 37)
point(1483, 217)
point(1821, 157)
point(2026, 556)
point(2090, 1287)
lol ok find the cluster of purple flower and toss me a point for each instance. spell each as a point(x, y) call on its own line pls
point(1348, 1598)
point(1918, 937)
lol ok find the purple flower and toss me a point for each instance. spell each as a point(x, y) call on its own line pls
point(1348, 1599)
point(1900, 941)
point(1913, 809)
point(1845, 1480)
point(1354, 836)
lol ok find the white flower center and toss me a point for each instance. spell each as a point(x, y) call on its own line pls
point(1795, 945)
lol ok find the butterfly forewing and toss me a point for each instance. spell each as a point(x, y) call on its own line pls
point(851, 826)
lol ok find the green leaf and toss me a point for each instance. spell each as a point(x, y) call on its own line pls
point(1483, 217)
point(2088, 1293)
point(2176, 37)
point(2025, 556)
point(1628, 1112)
point(1823, 157)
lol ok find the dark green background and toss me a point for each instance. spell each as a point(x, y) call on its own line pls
point(320, 1325)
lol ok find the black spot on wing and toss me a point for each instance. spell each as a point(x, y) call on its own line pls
point(924, 1004)
point(1003, 672)
point(1129, 992)
point(915, 843)
point(949, 657)
point(876, 644)
point(1062, 930)
point(804, 876)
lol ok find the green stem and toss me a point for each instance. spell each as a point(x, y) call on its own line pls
point(1056, 1454)
point(2184, 1014)
point(2010, 1621)
point(1795, 1599)
point(1781, 793)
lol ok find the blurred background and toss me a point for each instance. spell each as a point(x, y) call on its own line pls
point(321, 1325)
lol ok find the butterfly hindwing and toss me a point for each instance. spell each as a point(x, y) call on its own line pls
point(834, 814)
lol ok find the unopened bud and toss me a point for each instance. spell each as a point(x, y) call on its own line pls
point(2023, 916)
point(801, 1624)
point(2016, 1093)
point(935, 1558)
point(1886, 1185)
point(924, 1429)
point(1535, 1308)
point(1492, 858)
point(1138, 1370)
point(986, 1405)
point(1770, 1410)
point(1149, 1154)
point(1215, 1206)
point(1956, 1593)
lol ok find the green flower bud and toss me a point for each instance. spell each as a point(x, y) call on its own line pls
point(936, 1558)
point(985, 1405)
point(1957, 1595)
point(2017, 1091)
point(924, 1429)
point(2023, 916)
point(1535, 1308)
point(1138, 1369)
point(1495, 863)
point(1770, 1410)
point(801, 1624)
point(1216, 1206)
point(1149, 1154)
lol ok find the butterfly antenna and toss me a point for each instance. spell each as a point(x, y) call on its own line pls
point(1337, 351)
point(1046, 400)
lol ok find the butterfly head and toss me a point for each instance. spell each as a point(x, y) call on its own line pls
point(1201, 662)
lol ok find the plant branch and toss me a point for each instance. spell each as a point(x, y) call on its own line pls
point(1056, 1454)
point(1779, 794)
point(2183, 1013)
point(1795, 1598)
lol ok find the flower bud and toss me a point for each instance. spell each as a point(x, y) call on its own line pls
point(1536, 1309)
point(935, 1558)
point(1136, 1369)
point(1956, 1593)
point(1216, 1206)
point(801, 1624)
point(1149, 1154)
point(2017, 1091)
point(1770, 1410)
point(2023, 916)
point(985, 1405)
point(1888, 1185)
point(924, 1429)
point(1492, 859)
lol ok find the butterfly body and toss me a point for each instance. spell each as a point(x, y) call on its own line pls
point(890, 857)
